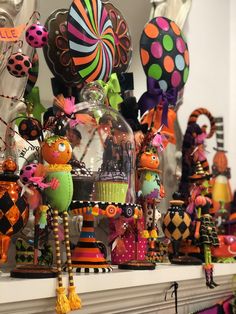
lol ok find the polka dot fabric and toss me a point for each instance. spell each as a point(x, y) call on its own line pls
point(19, 64)
point(128, 253)
point(164, 53)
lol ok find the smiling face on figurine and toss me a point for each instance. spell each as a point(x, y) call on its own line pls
point(56, 150)
point(149, 159)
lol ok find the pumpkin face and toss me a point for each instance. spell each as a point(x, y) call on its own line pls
point(56, 150)
point(149, 159)
point(220, 161)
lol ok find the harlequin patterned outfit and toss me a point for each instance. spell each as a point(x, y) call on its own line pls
point(208, 234)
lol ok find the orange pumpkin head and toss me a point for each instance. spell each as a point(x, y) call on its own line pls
point(149, 159)
point(220, 161)
point(56, 150)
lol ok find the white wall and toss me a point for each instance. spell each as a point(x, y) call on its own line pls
point(208, 37)
point(232, 103)
point(212, 68)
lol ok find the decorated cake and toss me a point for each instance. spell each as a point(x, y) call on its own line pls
point(111, 184)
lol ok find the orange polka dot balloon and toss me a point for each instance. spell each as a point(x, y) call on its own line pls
point(56, 150)
point(164, 53)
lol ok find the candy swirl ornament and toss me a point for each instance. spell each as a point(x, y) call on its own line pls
point(91, 40)
point(123, 43)
point(56, 52)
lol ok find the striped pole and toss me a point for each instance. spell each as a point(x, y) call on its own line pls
point(219, 133)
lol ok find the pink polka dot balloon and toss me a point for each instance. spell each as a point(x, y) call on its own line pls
point(36, 35)
point(164, 53)
point(19, 64)
point(27, 172)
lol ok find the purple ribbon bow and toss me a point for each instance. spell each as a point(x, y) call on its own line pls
point(155, 96)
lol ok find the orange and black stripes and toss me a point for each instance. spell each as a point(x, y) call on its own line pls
point(203, 111)
point(67, 245)
point(57, 247)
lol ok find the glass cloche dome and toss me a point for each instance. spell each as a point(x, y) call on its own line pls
point(103, 158)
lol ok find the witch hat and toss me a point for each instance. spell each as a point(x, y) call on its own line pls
point(199, 173)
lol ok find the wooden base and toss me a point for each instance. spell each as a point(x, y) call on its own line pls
point(186, 260)
point(34, 272)
point(137, 265)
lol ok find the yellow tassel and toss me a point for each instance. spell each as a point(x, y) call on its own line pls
point(74, 299)
point(153, 234)
point(145, 234)
point(62, 305)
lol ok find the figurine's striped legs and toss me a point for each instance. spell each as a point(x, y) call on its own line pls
point(75, 302)
point(62, 305)
point(209, 267)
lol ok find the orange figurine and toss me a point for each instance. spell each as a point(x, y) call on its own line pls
point(57, 152)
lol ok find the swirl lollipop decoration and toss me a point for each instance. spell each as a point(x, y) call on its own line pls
point(123, 44)
point(91, 40)
point(164, 53)
point(56, 52)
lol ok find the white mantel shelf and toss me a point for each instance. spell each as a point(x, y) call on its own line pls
point(121, 291)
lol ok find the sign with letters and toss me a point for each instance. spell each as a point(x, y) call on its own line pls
point(11, 33)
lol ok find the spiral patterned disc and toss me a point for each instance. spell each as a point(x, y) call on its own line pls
point(56, 52)
point(164, 53)
point(123, 43)
point(91, 39)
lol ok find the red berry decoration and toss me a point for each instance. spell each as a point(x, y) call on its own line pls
point(36, 35)
point(30, 129)
point(19, 64)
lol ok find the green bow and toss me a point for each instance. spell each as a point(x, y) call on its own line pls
point(112, 91)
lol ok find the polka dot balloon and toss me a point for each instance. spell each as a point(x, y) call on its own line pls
point(27, 172)
point(164, 53)
point(36, 35)
point(19, 64)
point(30, 129)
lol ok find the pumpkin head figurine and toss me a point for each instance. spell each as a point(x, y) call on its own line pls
point(56, 151)
point(151, 190)
point(149, 158)
point(150, 184)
